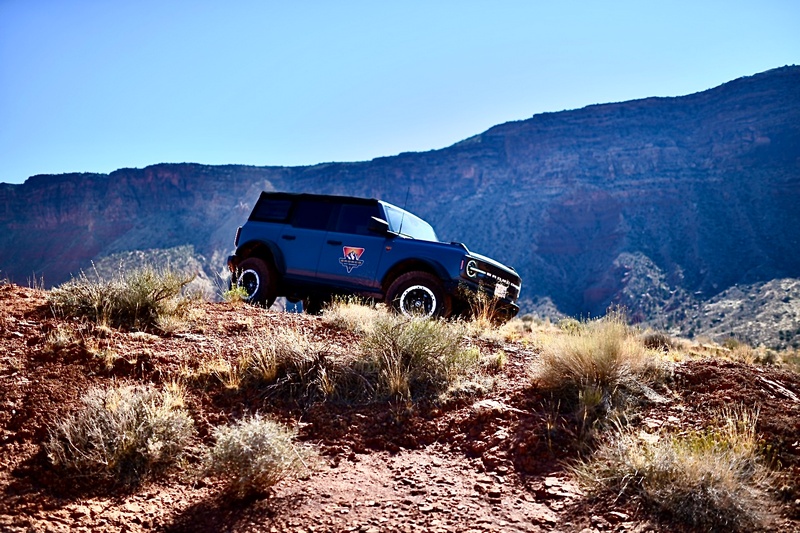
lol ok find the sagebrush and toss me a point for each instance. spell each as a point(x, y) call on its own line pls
point(255, 453)
point(122, 433)
point(140, 298)
point(711, 479)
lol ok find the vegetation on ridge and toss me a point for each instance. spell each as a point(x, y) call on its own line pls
point(591, 386)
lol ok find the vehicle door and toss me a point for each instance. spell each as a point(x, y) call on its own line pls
point(351, 253)
point(302, 240)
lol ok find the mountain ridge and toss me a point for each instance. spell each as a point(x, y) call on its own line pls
point(704, 187)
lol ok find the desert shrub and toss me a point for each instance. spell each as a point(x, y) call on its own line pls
point(731, 343)
point(270, 354)
point(418, 357)
point(236, 295)
point(496, 362)
point(287, 364)
point(604, 353)
point(569, 325)
point(60, 338)
point(789, 358)
point(482, 308)
point(657, 340)
point(397, 357)
point(254, 454)
point(597, 369)
point(123, 433)
point(283, 355)
point(351, 314)
point(136, 299)
point(710, 479)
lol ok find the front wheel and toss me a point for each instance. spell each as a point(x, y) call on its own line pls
point(258, 278)
point(419, 294)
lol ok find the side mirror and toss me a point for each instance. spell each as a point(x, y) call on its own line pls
point(379, 226)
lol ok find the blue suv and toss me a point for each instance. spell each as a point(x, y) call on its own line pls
point(310, 247)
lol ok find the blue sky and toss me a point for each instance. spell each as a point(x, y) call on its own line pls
point(96, 85)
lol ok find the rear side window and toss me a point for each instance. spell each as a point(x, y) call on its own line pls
point(355, 218)
point(270, 210)
point(312, 215)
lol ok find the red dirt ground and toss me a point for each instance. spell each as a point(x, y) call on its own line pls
point(494, 462)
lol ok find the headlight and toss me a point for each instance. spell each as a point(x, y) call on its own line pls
point(472, 268)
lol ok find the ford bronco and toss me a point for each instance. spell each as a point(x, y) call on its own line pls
point(313, 247)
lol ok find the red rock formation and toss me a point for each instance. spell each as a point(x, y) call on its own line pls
point(705, 187)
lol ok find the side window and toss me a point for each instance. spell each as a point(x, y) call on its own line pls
point(270, 210)
point(355, 218)
point(312, 215)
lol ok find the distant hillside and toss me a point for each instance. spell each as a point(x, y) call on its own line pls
point(659, 204)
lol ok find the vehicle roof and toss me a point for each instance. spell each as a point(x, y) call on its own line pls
point(317, 197)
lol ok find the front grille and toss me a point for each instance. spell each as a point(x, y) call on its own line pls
point(489, 275)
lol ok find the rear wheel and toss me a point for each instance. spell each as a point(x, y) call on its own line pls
point(258, 278)
point(419, 294)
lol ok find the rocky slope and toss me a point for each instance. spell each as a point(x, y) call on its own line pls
point(496, 459)
point(702, 190)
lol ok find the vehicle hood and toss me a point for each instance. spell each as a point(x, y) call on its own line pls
point(494, 263)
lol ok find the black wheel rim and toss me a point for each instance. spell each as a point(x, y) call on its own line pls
point(418, 300)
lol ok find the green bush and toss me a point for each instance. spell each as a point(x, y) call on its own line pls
point(710, 479)
point(254, 454)
point(136, 299)
point(123, 433)
point(235, 295)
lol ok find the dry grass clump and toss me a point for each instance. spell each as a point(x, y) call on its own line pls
point(61, 337)
point(285, 363)
point(138, 299)
point(124, 433)
point(396, 357)
point(415, 357)
point(604, 353)
point(598, 369)
point(254, 454)
point(658, 340)
point(790, 359)
point(711, 479)
point(268, 355)
point(498, 334)
point(351, 314)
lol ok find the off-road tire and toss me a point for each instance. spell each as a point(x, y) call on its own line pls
point(419, 294)
point(259, 280)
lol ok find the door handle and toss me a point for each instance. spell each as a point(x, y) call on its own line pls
point(335, 242)
point(288, 237)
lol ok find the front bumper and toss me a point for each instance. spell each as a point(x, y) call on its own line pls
point(467, 291)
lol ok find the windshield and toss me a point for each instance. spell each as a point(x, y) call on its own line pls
point(404, 223)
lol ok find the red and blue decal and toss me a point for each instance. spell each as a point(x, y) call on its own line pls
point(352, 258)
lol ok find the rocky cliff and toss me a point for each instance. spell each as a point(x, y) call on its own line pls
point(649, 203)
